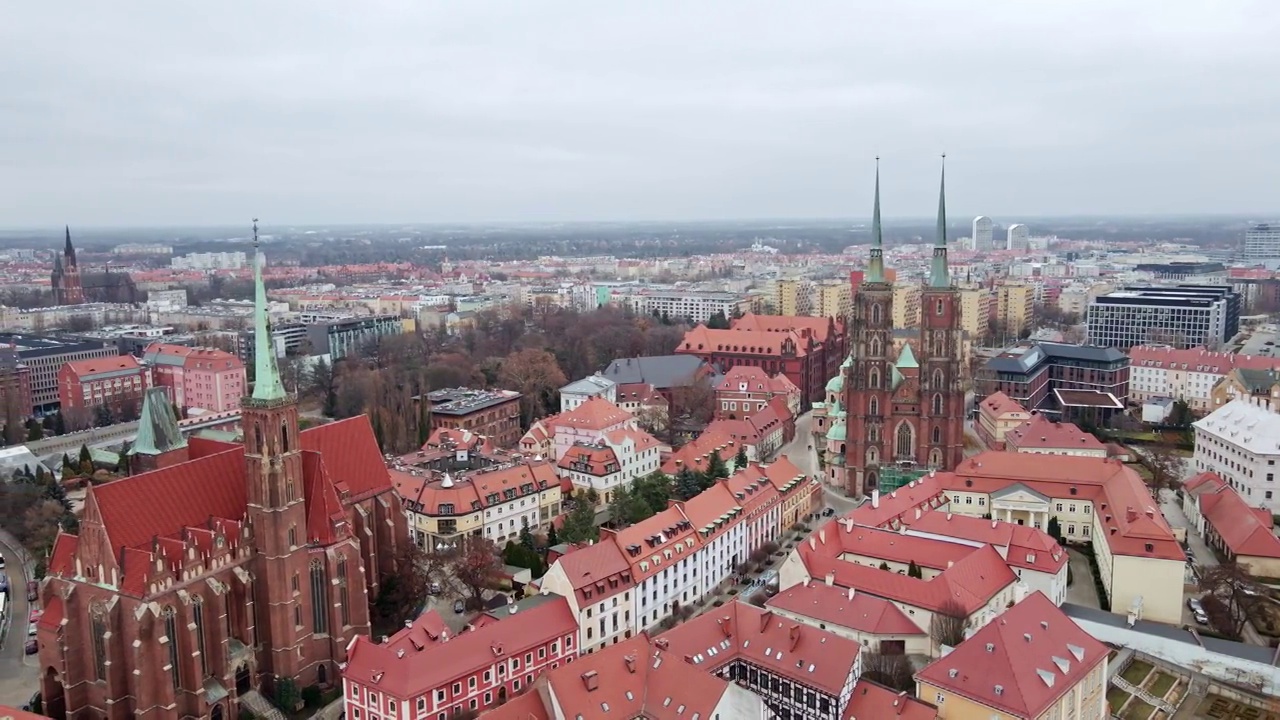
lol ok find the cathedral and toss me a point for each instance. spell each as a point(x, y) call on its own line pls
point(220, 569)
point(897, 411)
point(67, 288)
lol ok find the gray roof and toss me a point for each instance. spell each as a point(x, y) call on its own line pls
point(1096, 353)
point(660, 371)
point(1257, 381)
point(591, 385)
point(1244, 651)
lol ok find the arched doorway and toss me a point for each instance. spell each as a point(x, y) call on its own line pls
point(244, 680)
point(502, 694)
point(216, 712)
point(322, 674)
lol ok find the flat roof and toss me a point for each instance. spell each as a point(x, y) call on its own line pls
point(462, 401)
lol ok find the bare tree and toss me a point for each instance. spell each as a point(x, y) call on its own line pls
point(477, 566)
point(1233, 596)
point(892, 671)
point(949, 623)
point(1165, 465)
point(404, 592)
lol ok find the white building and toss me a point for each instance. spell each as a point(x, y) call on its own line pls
point(696, 305)
point(1017, 237)
point(981, 235)
point(1241, 443)
point(1262, 245)
point(210, 261)
point(577, 392)
point(612, 462)
point(1159, 371)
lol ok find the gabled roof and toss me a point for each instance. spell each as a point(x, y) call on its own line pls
point(845, 607)
point(595, 413)
point(1022, 662)
point(103, 367)
point(818, 327)
point(590, 385)
point(906, 358)
point(997, 403)
point(786, 647)
point(661, 371)
point(158, 431)
point(873, 701)
point(1245, 530)
point(1042, 433)
point(1241, 423)
point(702, 339)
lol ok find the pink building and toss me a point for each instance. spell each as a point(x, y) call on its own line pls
point(203, 378)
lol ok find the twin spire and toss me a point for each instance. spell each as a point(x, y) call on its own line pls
point(939, 275)
point(266, 379)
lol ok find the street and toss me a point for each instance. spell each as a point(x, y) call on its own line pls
point(801, 452)
point(18, 680)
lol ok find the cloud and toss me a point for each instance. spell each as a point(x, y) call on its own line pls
point(380, 111)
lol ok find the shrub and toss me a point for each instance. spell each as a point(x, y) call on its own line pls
point(718, 603)
point(312, 696)
point(733, 591)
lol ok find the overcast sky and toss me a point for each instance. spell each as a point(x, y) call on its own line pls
point(155, 112)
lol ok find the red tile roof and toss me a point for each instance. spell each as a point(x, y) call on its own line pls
point(525, 706)
point(1042, 433)
point(845, 607)
point(997, 403)
point(756, 379)
point(924, 494)
point(599, 569)
point(696, 453)
point(1020, 663)
point(436, 665)
point(634, 679)
point(595, 413)
point(738, 631)
point(1023, 546)
point(1245, 530)
point(85, 369)
point(351, 454)
point(873, 701)
point(818, 327)
point(742, 342)
point(11, 713)
point(1197, 359)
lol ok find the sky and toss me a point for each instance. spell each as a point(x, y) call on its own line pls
point(161, 113)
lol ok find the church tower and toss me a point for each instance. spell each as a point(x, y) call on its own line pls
point(941, 344)
point(276, 503)
point(867, 383)
point(67, 288)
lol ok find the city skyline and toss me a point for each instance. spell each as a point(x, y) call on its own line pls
point(490, 113)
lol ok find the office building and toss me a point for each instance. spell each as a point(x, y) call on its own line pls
point(197, 378)
point(1030, 372)
point(982, 234)
point(1182, 316)
point(492, 413)
point(1017, 237)
point(1262, 245)
point(341, 337)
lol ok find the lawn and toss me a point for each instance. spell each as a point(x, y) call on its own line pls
point(1136, 672)
point(1161, 684)
point(1137, 710)
point(1116, 698)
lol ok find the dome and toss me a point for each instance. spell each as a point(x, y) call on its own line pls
point(848, 362)
point(836, 384)
point(837, 432)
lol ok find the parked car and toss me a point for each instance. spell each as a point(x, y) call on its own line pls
point(458, 607)
point(4, 584)
point(32, 646)
point(1200, 618)
point(434, 588)
point(31, 630)
point(33, 591)
point(1194, 604)
point(1, 562)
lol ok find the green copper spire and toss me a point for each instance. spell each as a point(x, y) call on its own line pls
point(875, 267)
point(939, 277)
point(158, 431)
point(266, 385)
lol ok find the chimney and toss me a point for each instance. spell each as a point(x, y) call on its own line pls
point(917, 513)
point(848, 524)
point(849, 596)
point(1130, 514)
point(590, 680)
point(1151, 513)
point(831, 578)
point(795, 637)
point(661, 643)
point(725, 626)
point(822, 535)
point(875, 498)
point(630, 660)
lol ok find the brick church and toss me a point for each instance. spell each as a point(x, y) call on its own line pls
point(902, 409)
point(65, 281)
point(220, 568)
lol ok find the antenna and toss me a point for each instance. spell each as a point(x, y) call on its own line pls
point(255, 234)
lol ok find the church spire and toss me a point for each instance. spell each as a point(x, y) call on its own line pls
point(68, 250)
point(266, 385)
point(875, 267)
point(939, 276)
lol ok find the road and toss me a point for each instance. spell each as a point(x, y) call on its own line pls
point(18, 680)
point(802, 453)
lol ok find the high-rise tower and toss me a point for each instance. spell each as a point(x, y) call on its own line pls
point(276, 506)
point(904, 409)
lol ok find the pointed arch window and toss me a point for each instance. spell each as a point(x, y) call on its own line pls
point(875, 314)
point(937, 434)
point(935, 458)
point(319, 598)
point(939, 382)
point(873, 406)
point(171, 633)
point(98, 630)
point(873, 456)
point(876, 347)
point(873, 434)
point(873, 379)
point(197, 617)
point(905, 441)
point(257, 438)
point(344, 595)
point(937, 404)
point(284, 436)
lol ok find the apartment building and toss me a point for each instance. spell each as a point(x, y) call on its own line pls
point(746, 390)
point(577, 392)
point(1238, 443)
point(611, 463)
point(833, 299)
point(693, 305)
point(1035, 664)
point(426, 671)
point(1015, 307)
point(1190, 375)
point(977, 309)
point(906, 305)
point(496, 502)
point(793, 296)
point(998, 414)
point(204, 378)
point(1258, 387)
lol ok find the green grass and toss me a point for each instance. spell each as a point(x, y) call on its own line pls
point(1116, 698)
point(1137, 710)
point(1161, 684)
point(1136, 672)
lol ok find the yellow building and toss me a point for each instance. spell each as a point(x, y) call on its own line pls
point(975, 310)
point(833, 299)
point(1034, 664)
point(1015, 306)
point(906, 305)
